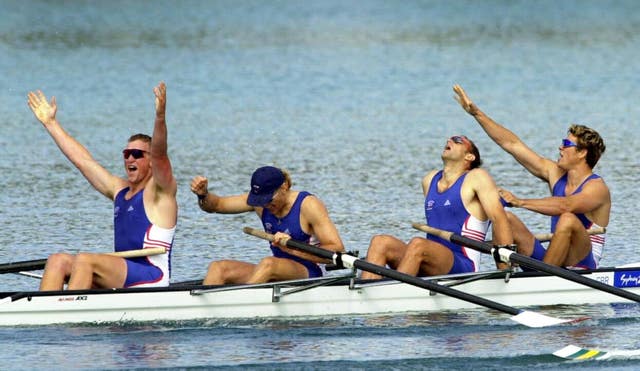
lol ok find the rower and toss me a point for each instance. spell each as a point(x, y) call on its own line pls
point(580, 199)
point(460, 197)
point(145, 207)
point(284, 212)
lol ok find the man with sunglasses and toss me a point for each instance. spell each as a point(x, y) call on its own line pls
point(285, 213)
point(579, 198)
point(145, 207)
point(461, 198)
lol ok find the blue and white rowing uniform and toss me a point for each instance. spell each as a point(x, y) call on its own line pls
point(134, 231)
point(592, 260)
point(290, 224)
point(445, 210)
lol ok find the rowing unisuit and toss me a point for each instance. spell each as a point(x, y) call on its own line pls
point(290, 224)
point(445, 210)
point(133, 231)
point(597, 240)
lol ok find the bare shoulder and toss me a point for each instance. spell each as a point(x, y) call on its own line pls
point(479, 179)
point(599, 184)
point(312, 203)
point(427, 178)
point(118, 185)
point(478, 174)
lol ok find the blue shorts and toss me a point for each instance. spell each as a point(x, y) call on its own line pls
point(141, 273)
point(539, 252)
point(461, 264)
point(313, 269)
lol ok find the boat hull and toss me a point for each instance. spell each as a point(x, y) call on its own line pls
point(303, 298)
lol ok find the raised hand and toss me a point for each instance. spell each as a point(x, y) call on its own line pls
point(44, 111)
point(161, 98)
point(464, 101)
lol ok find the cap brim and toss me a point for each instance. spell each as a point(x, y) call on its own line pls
point(259, 200)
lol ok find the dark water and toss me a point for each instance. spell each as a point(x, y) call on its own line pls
point(355, 100)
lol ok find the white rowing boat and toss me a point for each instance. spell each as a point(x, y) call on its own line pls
point(329, 296)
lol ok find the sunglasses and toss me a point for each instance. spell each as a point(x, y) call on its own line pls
point(136, 153)
point(568, 143)
point(458, 139)
point(461, 139)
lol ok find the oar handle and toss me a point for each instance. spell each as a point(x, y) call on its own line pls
point(445, 235)
point(543, 237)
point(139, 253)
point(323, 253)
point(258, 233)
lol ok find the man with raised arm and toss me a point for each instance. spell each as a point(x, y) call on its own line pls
point(145, 208)
point(284, 212)
point(461, 198)
point(579, 198)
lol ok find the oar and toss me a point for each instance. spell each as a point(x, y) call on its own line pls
point(32, 265)
point(509, 255)
point(544, 237)
point(527, 318)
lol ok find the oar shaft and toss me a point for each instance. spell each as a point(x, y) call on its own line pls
point(32, 265)
point(27, 265)
point(390, 273)
point(527, 261)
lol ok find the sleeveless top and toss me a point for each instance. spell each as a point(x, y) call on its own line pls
point(134, 231)
point(445, 210)
point(597, 241)
point(290, 224)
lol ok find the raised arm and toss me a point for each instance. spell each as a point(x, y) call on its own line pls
point(163, 206)
point(537, 165)
point(101, 179)
point(160, 163)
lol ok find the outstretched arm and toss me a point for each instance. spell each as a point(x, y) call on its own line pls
point(594, 195)
point(537, 165)
point(212, 203)
point(101, 179)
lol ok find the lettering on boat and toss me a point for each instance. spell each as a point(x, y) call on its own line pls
point(627, 279)
point(602, 278)
point(76, 298)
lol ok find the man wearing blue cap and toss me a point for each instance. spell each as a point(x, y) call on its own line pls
point(285, 213)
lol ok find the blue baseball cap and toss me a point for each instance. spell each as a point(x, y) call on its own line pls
point(265, 181)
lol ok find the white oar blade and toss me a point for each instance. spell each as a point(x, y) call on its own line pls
point(534, 319)
point(576, 353)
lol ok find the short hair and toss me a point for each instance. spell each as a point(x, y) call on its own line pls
point(590, 140)
point(143, 137)
point(477, 162)
point(287, 178)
